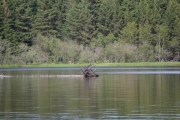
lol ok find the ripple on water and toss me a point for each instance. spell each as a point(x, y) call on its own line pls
point(144, 116)
point(141, 72)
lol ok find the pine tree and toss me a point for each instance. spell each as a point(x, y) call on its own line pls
point(117, 20)
point(143, 11)
point(155, 14)
point(17, 21)
point(1, 18)
point(105, 16)
point(170, 15)
point(45, 19)
point(22, 23)
point(129, 33)
point(5, 15)
point(129, 13)
point(61, 6)
point(78, 23)
point(145, 34)
point(94, 9)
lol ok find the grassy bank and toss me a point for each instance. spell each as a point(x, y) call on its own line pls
point(97, 64)
point(141, 64)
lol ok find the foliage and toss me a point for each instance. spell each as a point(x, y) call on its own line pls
point(77, 31)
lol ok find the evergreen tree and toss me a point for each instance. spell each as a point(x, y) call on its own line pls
point(17, 21)
point(22, 23)
point(5, 21)
point(129, 13)
point(170, 16)
point(61, 8)
point(45, 19)
point(145, 35)
point(94, 9)
point(109, 18)
point(143, 11)
point(105, 16)
point(2, 48)
point(1, 18)
point(129, 33)
point(78, 23)
point(155, 14)
point(117, 20)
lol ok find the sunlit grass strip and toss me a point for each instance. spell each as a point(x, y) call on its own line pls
point(58, 65)
point(44, 65)
point(112, 64)
point(150, 64)
point(141, 64)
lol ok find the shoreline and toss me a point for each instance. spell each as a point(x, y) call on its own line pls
point(137, 64)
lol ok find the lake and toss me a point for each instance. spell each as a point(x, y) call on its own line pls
point(118, 93)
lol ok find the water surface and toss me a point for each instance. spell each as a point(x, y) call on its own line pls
point(119, 93)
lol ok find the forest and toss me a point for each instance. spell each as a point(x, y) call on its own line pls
point(83, 31)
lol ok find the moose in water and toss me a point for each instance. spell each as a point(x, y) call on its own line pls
point(88, 72)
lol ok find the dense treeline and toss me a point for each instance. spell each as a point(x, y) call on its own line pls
point(39, 31)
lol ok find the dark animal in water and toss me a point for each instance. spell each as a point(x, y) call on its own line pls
point(88, 72)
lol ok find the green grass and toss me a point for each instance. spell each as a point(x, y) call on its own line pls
point(141, 64)
point(96, 65)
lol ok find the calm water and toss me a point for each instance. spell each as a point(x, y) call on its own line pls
point(119, 93)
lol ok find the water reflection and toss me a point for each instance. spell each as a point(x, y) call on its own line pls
point(110, 96)
point(142, 72)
